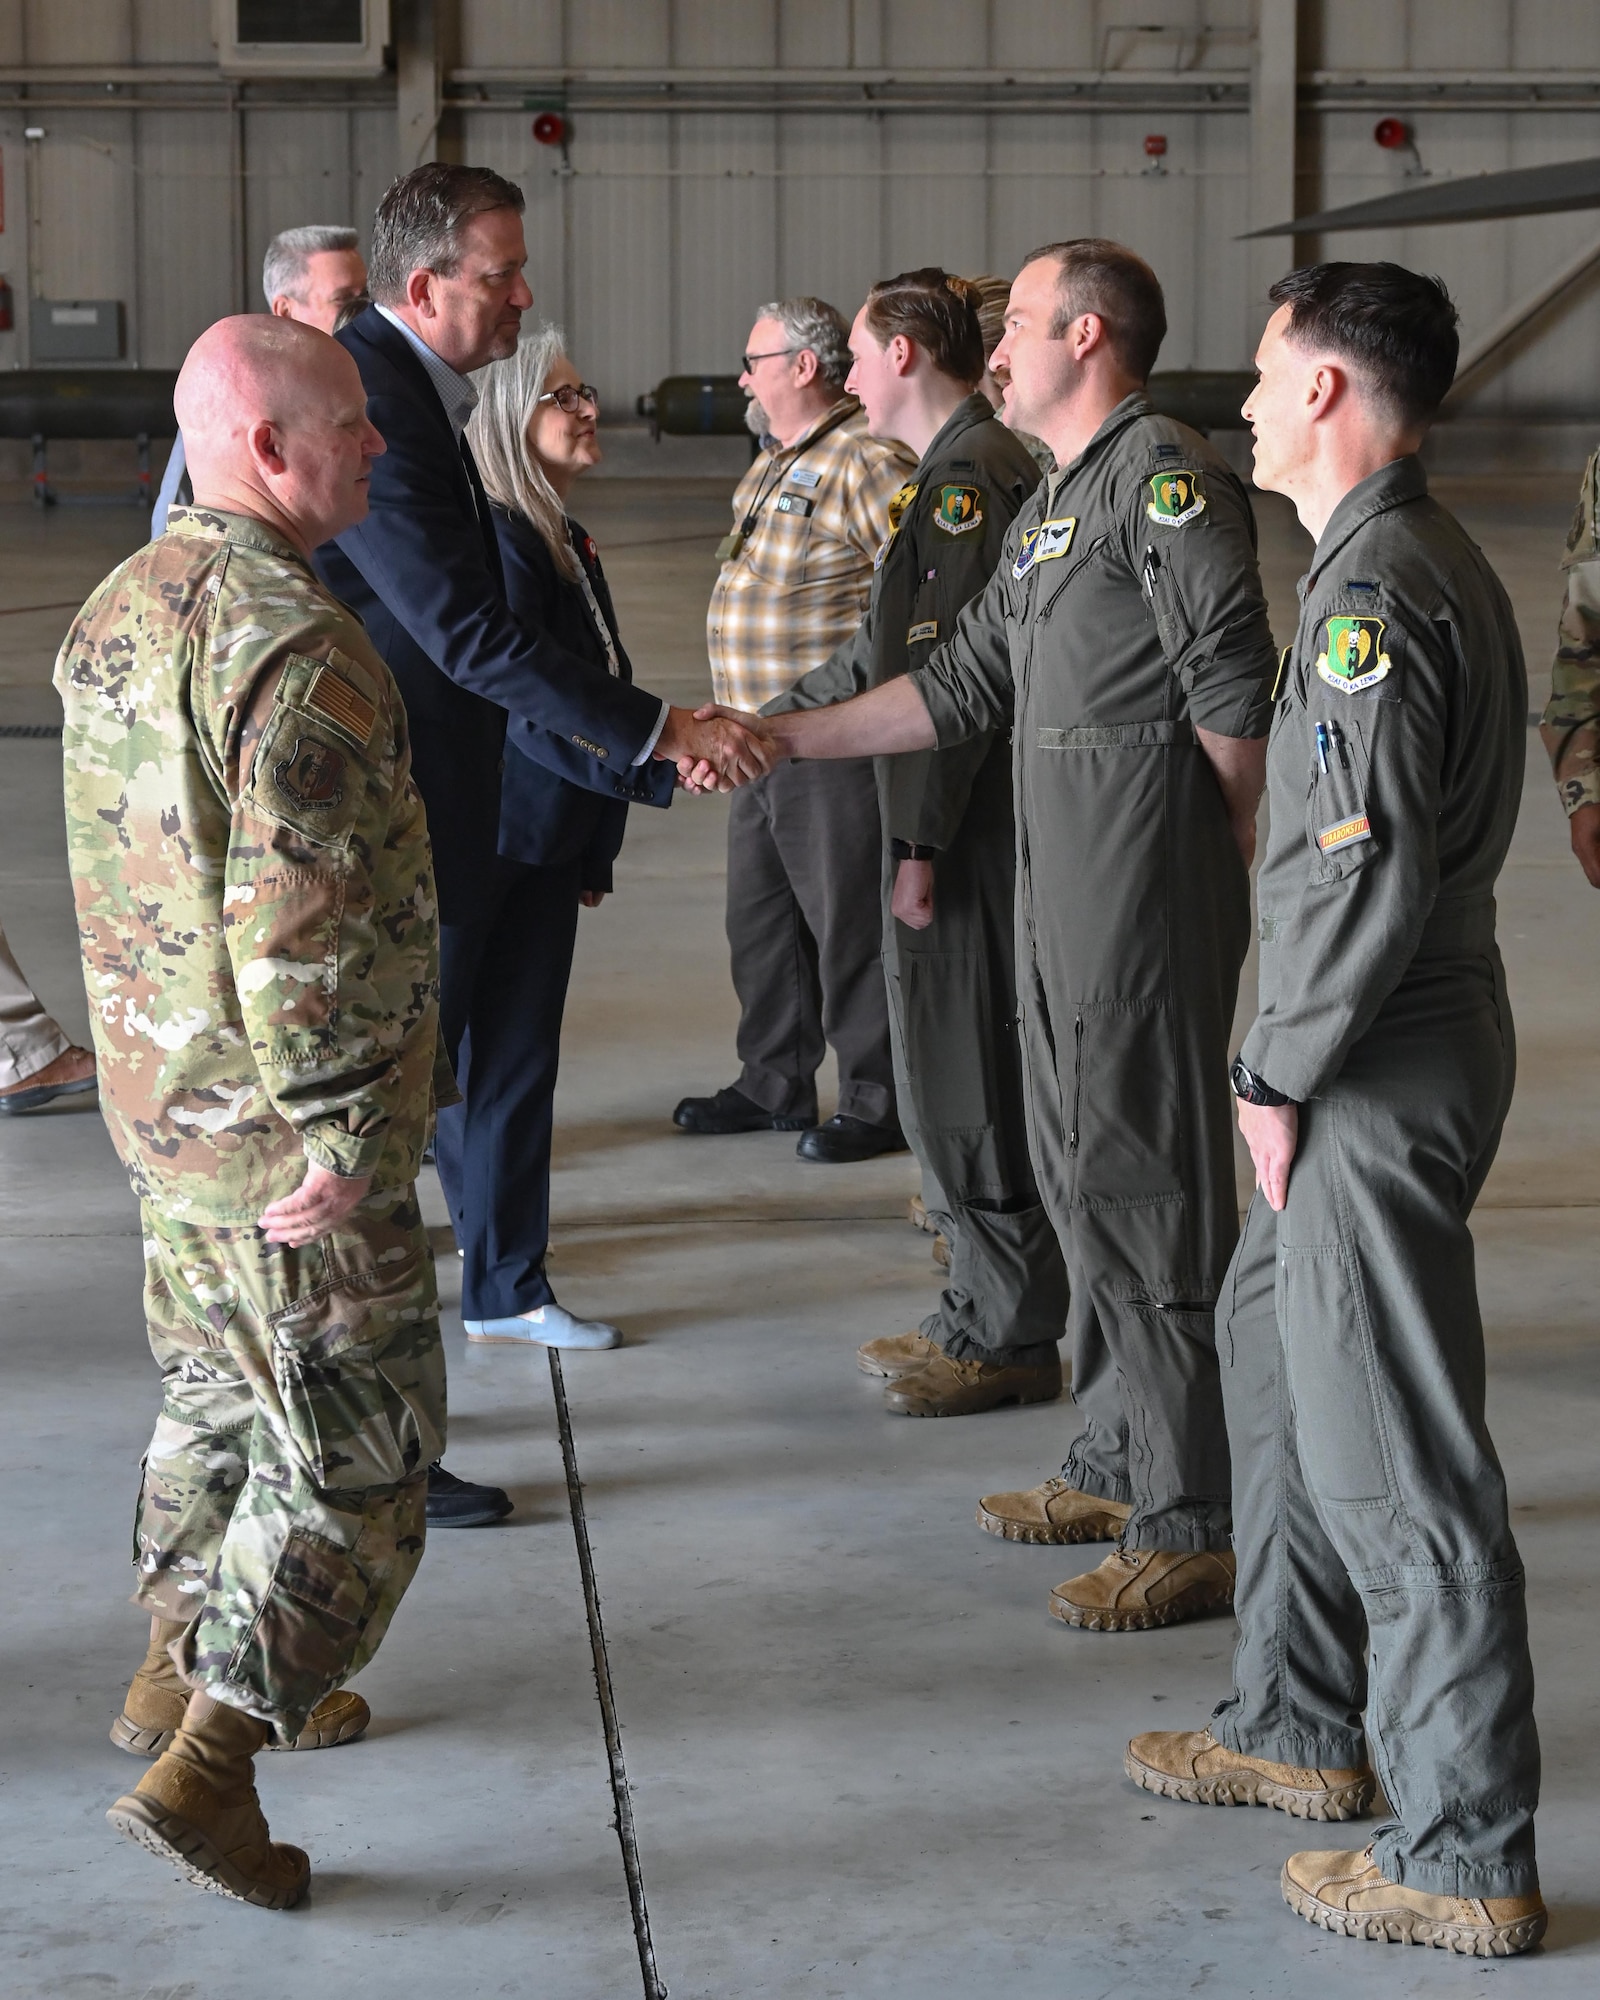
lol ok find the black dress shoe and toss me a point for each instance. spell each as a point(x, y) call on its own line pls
point(457, 1503)
point(731, 1111)
point(844, 1138)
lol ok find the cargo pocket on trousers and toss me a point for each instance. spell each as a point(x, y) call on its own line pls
point(955, 1044)
point(1336, 1419)
point(363, 1397)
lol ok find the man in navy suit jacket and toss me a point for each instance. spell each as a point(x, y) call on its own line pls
point(423, 571)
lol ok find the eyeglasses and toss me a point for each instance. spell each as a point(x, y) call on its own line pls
point(776, 353)
point(567, 398)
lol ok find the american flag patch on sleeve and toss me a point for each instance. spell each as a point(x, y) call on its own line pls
point(331, 695)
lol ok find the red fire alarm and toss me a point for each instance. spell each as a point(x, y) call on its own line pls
point(550, 128)
point(1155, 145)
point(1392, 134)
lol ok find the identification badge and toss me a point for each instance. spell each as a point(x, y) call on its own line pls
point(928, 629)
point(1175, 497)
point(1355, 658)
point(805, 475)
point(730, 545)
point(792, 503)
point(1044, 543)
point(960, 509)
point(1344, 833)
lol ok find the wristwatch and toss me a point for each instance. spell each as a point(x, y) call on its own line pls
point(910, 850)
point(1252, 1089)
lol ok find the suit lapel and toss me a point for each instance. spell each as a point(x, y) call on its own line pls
point(480, 500)
point(372, 328)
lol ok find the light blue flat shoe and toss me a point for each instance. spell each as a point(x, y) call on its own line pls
point(546, 1326)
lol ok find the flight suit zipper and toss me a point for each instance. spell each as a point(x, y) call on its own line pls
point(1077, 1079)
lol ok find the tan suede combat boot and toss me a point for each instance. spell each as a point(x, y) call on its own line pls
point(1346, 1893)
point(1055, 1512)
point(1136, 1589)
point(1192, 1765)
point(197, 1806)
point(944, 1387)
point(154, 1707)
point(895, 1354)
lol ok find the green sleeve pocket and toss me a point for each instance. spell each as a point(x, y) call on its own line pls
point(308, 778)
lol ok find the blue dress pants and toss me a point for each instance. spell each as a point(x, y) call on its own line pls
point(503, 986)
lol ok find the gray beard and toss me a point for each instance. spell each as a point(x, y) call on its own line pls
point(756, 420)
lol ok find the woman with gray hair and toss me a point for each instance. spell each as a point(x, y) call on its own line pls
point(562, 817)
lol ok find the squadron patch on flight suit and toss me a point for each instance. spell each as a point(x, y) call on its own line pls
point(898, 505)
point(1355, 658)
point(960, 508)
point(1175, 497)
point(1044, 543)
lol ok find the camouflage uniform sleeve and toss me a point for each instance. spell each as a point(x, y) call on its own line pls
point(329, 977)
point(1570, 724)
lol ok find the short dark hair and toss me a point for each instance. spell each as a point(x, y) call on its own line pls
point(420, 218)
point(936, 311)
point(1396, 328)
point(1107, 278)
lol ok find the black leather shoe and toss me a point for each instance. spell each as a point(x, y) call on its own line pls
point(844, 1138)
point(457, 1503)
point(731, 1111)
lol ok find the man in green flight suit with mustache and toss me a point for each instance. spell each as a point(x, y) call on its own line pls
point(949, 952)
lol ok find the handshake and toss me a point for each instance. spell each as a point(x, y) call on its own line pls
point(717, 749)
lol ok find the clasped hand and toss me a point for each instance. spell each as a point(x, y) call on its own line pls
point(716, 748)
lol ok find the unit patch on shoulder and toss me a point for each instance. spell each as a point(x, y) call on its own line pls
point(1175, 497)
point(349, 710)
point(959, 508)
point(1042, 544)
point(928, 629)
point(311, 775)
point(1344, 833)
point(1355, 658)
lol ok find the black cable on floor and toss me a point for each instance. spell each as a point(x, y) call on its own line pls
point(622, 1797)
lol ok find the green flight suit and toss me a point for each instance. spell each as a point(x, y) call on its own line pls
point(260, 943)
point(952, 986)
point(1128, 609)
point(1377, 1569)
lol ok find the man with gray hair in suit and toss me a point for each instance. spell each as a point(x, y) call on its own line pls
point(311, 274)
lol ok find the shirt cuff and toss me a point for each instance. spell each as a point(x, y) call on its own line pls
point(654, 737)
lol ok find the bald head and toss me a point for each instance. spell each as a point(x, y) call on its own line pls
point(274, 424)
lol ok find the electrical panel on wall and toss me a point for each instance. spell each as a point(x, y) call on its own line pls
point(301, 37)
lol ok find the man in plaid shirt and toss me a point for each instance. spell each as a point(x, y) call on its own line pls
point(805, 848)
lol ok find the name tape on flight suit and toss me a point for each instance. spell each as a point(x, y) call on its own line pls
point(1344, 833)
point(1355, 658)
point(928, 629)
point(1044, 543)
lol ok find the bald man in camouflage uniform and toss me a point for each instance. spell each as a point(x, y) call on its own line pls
point(1571, 722)
point(256, 908)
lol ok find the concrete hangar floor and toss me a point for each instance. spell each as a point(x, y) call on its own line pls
point(864, 1762)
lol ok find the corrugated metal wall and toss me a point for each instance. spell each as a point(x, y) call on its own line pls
point(672, 226)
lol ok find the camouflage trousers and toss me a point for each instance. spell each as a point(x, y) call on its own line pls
point(282, 1511)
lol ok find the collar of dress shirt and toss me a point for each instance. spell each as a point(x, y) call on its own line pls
point(458, 395)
